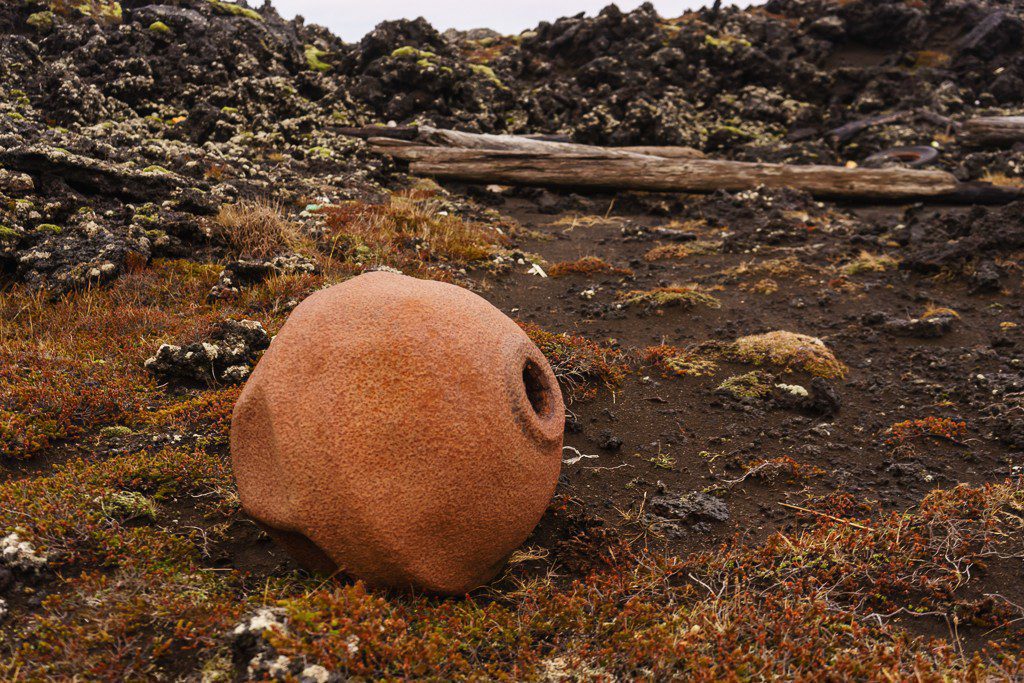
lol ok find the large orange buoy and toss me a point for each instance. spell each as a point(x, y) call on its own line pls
point(403, 431)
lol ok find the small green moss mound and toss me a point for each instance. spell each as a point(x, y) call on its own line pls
point(104, 11)
point(755, 384)
point(160, 170)
point(487, 72)
point(159, 27)
point(126, 505)
point(410, 52)
point(726, 42)
point(788, 350)
point(40, 21)
point(8, 234)
point(49, 228)
point(115, 431)
point(313, 55)
point(320, 152)
point(235, 10)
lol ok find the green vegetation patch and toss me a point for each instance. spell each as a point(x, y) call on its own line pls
point(235, 10)
point(488, 73)
point(41, 21)
point(754, 384)
point(788, 350)
point(313, 55)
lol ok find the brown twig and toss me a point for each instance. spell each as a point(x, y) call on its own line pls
point(848, 522)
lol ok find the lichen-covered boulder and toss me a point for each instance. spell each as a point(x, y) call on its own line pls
point(403, 431)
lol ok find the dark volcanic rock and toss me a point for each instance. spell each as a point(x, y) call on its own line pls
point(694, 505)
point(228, 356)
point(246, 273)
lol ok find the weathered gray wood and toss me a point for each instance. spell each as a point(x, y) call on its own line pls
point(601, 171)
point(666, 151)
point(518, 143)
point(992, 131)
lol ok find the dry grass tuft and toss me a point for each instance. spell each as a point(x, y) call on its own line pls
point(678, 251)
point(409, 231)
point(1003, 180)
point(588, 265)
point(939, 312)
point(788, 350)
point(664, 297)
point(256, 229)
point(866, 262)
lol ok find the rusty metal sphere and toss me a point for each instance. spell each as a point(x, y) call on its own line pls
point(403, 431)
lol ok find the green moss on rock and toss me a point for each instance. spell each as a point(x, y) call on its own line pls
point(40, 21)
point(232, 9)
point(313, 55)
point(488, 73)
point(115, 431)
point(159, 27)
point(410, 52)
point(126, 505)
point(754, 384)
point(104, 11)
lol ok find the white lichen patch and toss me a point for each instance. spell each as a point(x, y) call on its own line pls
point(793, 389)
point(21, 555)
point(265, 619)
point(315, 674)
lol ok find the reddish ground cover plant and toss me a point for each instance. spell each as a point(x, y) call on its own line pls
point(938, 427)
point(579, 364)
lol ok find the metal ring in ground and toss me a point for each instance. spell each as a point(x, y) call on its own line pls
point(911, 156)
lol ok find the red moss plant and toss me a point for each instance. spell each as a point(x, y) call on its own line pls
point(208, 412)
point(145, 596)
point(946, 428)
point(74, 365)
point(798, 605)
point(769, 470)
point(578, 363)
point(812, 600)
point(672, 360)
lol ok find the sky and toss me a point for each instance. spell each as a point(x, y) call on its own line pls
point(352, 19)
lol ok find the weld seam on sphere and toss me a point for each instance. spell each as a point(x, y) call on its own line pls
point(403, 431)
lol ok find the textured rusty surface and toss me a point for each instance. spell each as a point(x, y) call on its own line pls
point(405, 431)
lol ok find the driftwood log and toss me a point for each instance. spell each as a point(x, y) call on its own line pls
point(516, 160)
point(437, 137)
point(519, 143)
point(601, 171)
point(992, 131)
